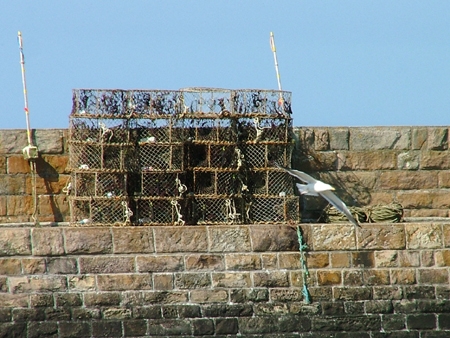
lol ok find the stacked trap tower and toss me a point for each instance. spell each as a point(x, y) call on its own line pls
point(192, 156)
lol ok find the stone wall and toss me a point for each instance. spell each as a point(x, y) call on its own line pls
point(384, 280)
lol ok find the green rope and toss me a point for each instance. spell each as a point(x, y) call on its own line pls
point(301, 248)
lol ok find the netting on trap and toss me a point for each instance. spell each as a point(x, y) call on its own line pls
point(161, 184)
point(213, 155)
point(259, 129)
point(264, 155)
point(214, 210)
point(217, 182)
point(211, 129)
point(100, 211)
point(157, 157)
point(158, 211)
point(271, 182)
point(158, 130)
point(273, 209)
point(99, 184)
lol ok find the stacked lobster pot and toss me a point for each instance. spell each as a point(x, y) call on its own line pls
point(193, 156)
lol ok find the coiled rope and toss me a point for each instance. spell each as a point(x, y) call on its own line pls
point(389, 213)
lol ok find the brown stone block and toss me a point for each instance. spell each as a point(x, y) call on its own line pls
point(111, 264)
point(17, 300)
point(408, 180)
point(62, 265)
point(10, 266)
point(321, 293)
point(201, 262)
point(442, 257)
point(271, 279)
point(56, 163)
point(160, 263)
point(53, 208)
point(132, 240)
point(426, 213)
point(15, 241)
point(419, 137)
point(41, 300)
point(88, 240)
point(378, 138)
point(433, 159)
point(386, 259)
point(40, 283)
point(47, 241)
point(433, 276)
point(19, 205)
point(81, 283)
point(47, 185)
point(409, 160)
point(446, 230)
point(12, 184)
point(102, 299)
point(444, 179)
point(367, 160)
point(409, 258)
point(296, 278)
point(339, 138)
point(162, 297)
point(274, 238)
point(329, 277)
point(376, 277)
point(437, 138)
point(423, 236)
point(333, 237)
point(269, 261)
point(353, 277)
point(18, 165)
point(381, 236)
point(243, 262)
point(192, 280)
point(208, 296)
point(290, 260)
point(321, 139)
point(180, 239)
point(415, 199)
point(340, 259)
point(315, 260)
point(3, 205)
point(427, 258)
point(352, 293)
point(123, 282)
point(363, 259)
point(286, 295)
point(229, 239)
point(163, 281)
point(231, 280)
point(403, 276)
point(33, 266)
point(387, 292)
point(2, 164)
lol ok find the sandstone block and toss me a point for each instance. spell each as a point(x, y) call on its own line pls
point(339, 138)
point(231, 280)
point(229, 239)
point(41, 300)
point(39, 283)
point(111, 264)
point(380, 138)
point(164, 297)
point(271, 279)
point(386, 259)
point(269, 261)
point(88, 240)
point(10, 266)
point(433, 276)
point(81, 283)
point(419, 138)
point(62, 265)
point(408, 180)
point(333, 237)
point(437, 138)
point(201, 262)
point(442, 257)
point(47, 241)
point(50, 141)
point(162, 281)
point(33, 266)
point(403, 276)
point(353, 277)
point(227, 326)
point(13, 300)
point(286, 295)
point(135, 328)
point(409, 160)
point(366, 160)
point(446, 229)
point(19, 205)
point(387, 292)
point(329, 277)
point(409, 258)
point(435, 159)
point(12, 141)
point(117, 313)
point(243, 262)
point(102, 299)
point(376, 277)
point(381, 236)
point(423, 236)
point(192, 280)
point(363, 259)
point(2, 206)
point(352, 293)
point(427, 258)
point(170, 327)
point(15, 241)
point(208, 296)
point(180, 239)
point(111, 328)
point(340, 260)
point(18, 165)
point(2, 164)
point(321, 139)
point(291, 260)
point(160, 263)
point(3, 284)
point(68, 299)
point(55, 163)
point(274, 238)
point(444, 179)
point(132, 240)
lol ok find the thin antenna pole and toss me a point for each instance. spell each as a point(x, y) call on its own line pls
point(24, 83)
point(274, 50)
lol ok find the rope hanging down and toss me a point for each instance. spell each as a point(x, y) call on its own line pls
point(305, 273)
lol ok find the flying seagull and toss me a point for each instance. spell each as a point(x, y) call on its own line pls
point(315, 188)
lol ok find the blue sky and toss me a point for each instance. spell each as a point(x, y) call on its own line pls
point(347, 63)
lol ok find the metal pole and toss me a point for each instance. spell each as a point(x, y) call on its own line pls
point(24, 83)
point(274, 50)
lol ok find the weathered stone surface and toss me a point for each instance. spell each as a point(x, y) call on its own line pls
point(378, 138)
point(339, 138)
point(444, 179)
point(321, 139)
point(425, 199)
point(15, 241)
point(47, 241)
point(19, 205)
point(88, 240)
point(333, 237)
point(352, 293)
point(271, 279)
point(208, 296)
point(249, 295)
point(376, 277)
point(433, 276)
point(242, 262)
point(329, 277)
point(163, 281)
point(13, 300)
point(409, 258)
point(132, 240)
point(386, 258)
point(33, 266)
point(17, 165)
point(10, 266)
point(442, 257)
point(387, 292)
point(13, 141)
point(231, 280)
point(423, 236)
point(55, 163)
point(427, 258)
point(291, 260)
point(192, 280)
point(340, 259)
point(40, 283)
point(81, 283)
point(381, 236)
point(409, 160)
point(204, 262)
point(366, 160)
point(101, 264)
point(180, 239)
point(435, 159)
point(419, 138)
point(408, 180)
point(62, 265)
point(50, 141)
point(68, 299)
point(269, 261)
point(437, 138)
point(102, 299)
point(229, 239)
point(274, 238)
point(159, 263)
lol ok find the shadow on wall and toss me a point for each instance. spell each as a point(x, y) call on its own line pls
point(49, 175)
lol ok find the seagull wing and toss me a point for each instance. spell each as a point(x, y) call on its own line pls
point(300, 175)
point(338, 204)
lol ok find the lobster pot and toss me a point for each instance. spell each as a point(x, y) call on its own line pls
point(157, 103)
point(158, 130)
point(261, 102)
point(274, 209)
point(217, 182)
point(158, 211)
point(271, 182)
point(100, 211)
point(160, 157)
point(213, 156)
point(264, 155)
point(101, 156)
point(259, 129)
point(215, 210)
point(160, 184)
point(99, 184)
point(211, 130)
point(206, 100)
